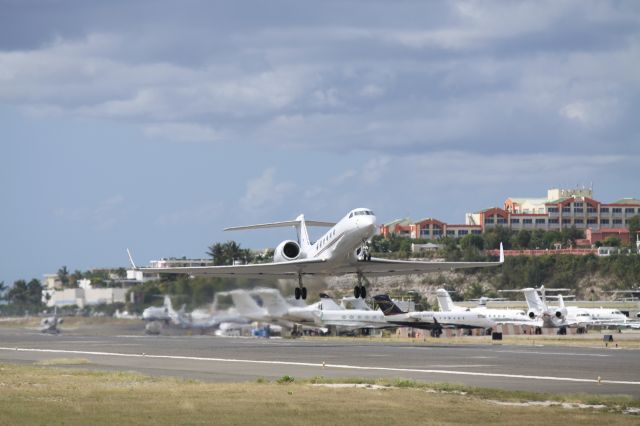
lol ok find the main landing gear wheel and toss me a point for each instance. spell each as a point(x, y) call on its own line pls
point(300, 291)
point(359, 290)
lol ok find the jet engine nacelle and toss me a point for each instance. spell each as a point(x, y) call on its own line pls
point(286, 251)
point(531, 314)
point(560, 313)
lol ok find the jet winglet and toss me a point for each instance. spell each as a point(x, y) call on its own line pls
point(131, 260)
point(501, 253)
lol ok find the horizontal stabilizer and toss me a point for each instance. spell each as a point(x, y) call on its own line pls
point(281, 225)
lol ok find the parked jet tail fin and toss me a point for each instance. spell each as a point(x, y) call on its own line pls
point(387, 305)
point(444, 300)
point(274, 302)
point(560, 301)
point(244, 303)
point(533, 300)
point(328, 304)
point(167, 303)
point(501, 253)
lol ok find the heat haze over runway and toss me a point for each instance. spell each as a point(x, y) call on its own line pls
point(531, 368)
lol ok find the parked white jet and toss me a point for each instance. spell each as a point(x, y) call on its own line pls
point(552, 317)
point(278, 307)
point(598, 317)
point(50, 324)
point(247, 306)
point(164, 313)
point(343, 249)
point(431, 320)
point(499, 316)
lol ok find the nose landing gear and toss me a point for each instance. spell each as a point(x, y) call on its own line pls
point(363, 252)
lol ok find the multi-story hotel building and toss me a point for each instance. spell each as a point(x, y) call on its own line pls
point(562, 208)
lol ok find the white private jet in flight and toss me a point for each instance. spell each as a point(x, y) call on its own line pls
point(343, 249)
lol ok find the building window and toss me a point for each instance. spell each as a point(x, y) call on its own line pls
point(592, 221)
point(476, 231)
point(540, 221)
point(617, 221)
point(617, 210)
point(554, 221)
point(578, 221)
point(577, 204)
point(515, 220)
point(436, 232)
point(424, 231)
point(553, 210)
point(451, 232)
point(604, 221)
point(566, 221)
point(502, 220)
point(527, 221)
point(488, 220)
point(566, 210)
point(629, 210)
point(591, 210)
point(463, 232)
point(578, 210)
point(604, 210)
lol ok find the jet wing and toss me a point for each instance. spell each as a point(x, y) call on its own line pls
point(381, 267)
point(280, 269)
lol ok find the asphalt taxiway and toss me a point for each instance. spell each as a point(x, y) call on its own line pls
point(530, 368)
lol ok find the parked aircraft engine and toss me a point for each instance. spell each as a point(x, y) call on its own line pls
point(531, 314)
point(286, 251)
point(560, 313)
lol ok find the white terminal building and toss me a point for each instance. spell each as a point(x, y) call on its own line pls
point(85, 294)
point(53, 294)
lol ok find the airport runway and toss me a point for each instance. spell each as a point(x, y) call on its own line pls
point(533, 368)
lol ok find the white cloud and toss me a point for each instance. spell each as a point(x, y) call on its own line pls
point(575, 111)
point(265, 192)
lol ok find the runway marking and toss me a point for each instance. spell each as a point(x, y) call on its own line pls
point(552, 353)
point(320, 365)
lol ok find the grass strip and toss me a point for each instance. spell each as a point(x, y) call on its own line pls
point(55, 395)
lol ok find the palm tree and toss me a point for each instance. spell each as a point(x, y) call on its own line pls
point(63, 276)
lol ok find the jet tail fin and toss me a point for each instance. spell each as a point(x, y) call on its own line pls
point(387, 305)
point(300, 223)
point(274, 302)
point(444, 300)
point(534, 301)
point(328, 303)
point(244, 303)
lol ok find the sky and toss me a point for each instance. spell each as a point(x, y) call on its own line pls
point(152, 125)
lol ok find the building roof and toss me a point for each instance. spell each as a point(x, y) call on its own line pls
point(630, 201)
point(403, 221)
point(559, 200)
point(528, 200)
